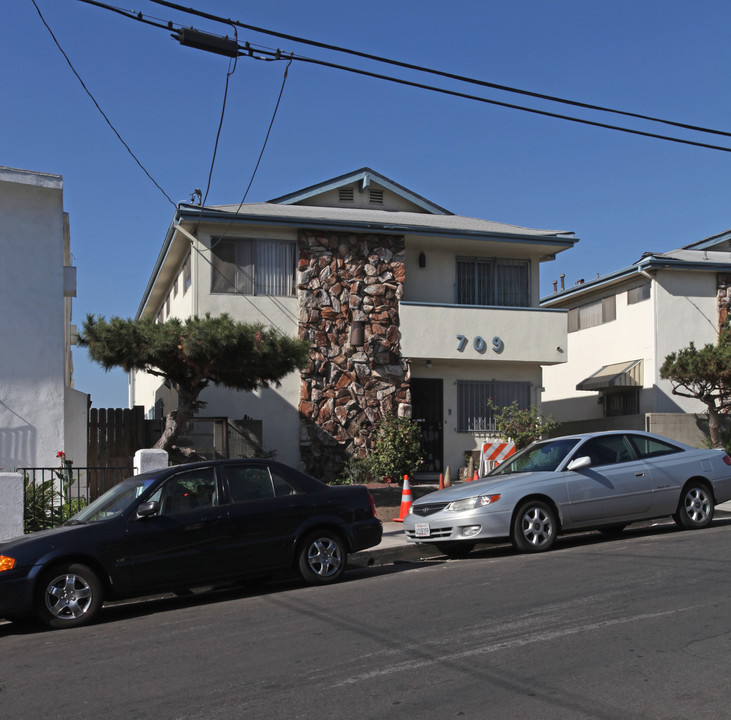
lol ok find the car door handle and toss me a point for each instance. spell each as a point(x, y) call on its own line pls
point(639, 474)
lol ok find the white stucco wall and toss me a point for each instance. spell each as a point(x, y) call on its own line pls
point(32, 325)
point(686, 310)
point(11, 505)
point(681, 308)
point(531, 337)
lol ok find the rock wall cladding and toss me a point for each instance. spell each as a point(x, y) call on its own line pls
point(349, 287)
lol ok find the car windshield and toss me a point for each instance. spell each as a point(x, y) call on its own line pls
point(541, 456)
point(112, 502)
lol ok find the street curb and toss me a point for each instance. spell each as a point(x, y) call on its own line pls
point(376, 557)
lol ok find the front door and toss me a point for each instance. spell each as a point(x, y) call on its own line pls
point(426, 410)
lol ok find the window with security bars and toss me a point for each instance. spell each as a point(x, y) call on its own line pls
point(493, 281)
point(253, 266)
point(473, 413)
point(622, 403)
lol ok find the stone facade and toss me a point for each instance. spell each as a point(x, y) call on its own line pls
point(723, 297)
point(348, 284)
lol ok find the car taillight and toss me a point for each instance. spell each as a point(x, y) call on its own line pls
point(727, 459)
point(373, 504)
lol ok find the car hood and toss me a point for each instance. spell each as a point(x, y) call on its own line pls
point(487, 486)
point(24, 547)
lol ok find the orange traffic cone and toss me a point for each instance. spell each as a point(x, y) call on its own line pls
point(475, 476)
point(405, 500)
point(441, 481)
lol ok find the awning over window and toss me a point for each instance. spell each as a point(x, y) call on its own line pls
point(618, 375)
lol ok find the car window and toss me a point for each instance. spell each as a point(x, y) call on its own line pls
point(249, 482)
point(648, 447)
point(607, 450)
point(541, 456)
point(188, 491)
point(281, 486)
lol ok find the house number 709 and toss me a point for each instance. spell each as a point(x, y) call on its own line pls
point(480, 345)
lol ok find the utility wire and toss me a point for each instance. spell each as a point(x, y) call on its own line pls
point(103, 114)
point(512, 106)
point(229, 73)
point(441, 73)
point(278, 55)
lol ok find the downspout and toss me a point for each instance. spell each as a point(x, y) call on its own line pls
point(656, 371)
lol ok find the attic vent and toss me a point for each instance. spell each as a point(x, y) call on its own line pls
point(376, 197)
point(346, 194)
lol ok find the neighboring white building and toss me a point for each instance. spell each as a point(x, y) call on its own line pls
point(622, 326)
point(408, 308)
point(40, 412)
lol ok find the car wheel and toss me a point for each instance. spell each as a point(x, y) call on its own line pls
point(695, 509)
point(613, 530)
point(322, 557)
point(455, 550)
point(68, 596)
point(534, 527)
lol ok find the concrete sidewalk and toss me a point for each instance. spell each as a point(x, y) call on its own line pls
point(394, 546)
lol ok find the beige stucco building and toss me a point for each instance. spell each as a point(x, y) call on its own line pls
point(622, 326)
point(408, 309)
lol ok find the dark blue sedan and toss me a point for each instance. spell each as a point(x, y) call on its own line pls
point(186, 526)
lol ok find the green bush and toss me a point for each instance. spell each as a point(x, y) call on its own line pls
point(42, 502)
point(397, 449)
point(522, 426)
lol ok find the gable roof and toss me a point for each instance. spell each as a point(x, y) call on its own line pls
point(365, 177)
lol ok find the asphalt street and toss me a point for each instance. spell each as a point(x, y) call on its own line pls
point(632, 628)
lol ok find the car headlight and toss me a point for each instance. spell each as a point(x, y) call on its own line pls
point(472, 503)
point(6, 563)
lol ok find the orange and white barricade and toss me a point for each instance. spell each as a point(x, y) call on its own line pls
point(493, 453)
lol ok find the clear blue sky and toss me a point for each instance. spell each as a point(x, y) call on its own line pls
point(622, 195)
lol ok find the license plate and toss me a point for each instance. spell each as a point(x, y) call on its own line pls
point(421, 529)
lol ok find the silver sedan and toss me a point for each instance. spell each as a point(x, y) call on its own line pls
point(595, 480)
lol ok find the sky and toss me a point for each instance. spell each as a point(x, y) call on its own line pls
point(621, 194)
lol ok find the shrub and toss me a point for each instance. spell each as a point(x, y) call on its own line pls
point(397, 449)
point(522, 426)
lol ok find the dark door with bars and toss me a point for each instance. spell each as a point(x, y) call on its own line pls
point(426, 409)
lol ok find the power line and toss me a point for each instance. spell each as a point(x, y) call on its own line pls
point(433, 71)
point(103, 114)
point(247, 50)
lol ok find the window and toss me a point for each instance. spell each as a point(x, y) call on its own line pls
point(255, 482)
point(493, 281)
point(649, 447)
point(473, 414)
point(638, 294)
point(593, 313)
point(607, 450)
point(253, 267)
point(188, 491)
point(622, 403)
point(186, 274)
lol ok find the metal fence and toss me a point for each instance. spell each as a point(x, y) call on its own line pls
point(53, 495)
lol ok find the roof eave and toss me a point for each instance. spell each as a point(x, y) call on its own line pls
point(561, 240)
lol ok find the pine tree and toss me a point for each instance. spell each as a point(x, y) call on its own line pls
point(193, 354)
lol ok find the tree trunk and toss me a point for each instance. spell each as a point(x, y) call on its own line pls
point(714, 426)
point(174, 422)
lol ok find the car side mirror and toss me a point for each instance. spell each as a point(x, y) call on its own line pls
point(148, 508)
point(579, 463)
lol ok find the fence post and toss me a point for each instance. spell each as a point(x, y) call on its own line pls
point(11, 505)
point(150, 459)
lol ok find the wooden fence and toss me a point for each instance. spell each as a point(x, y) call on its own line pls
point(115, 435)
